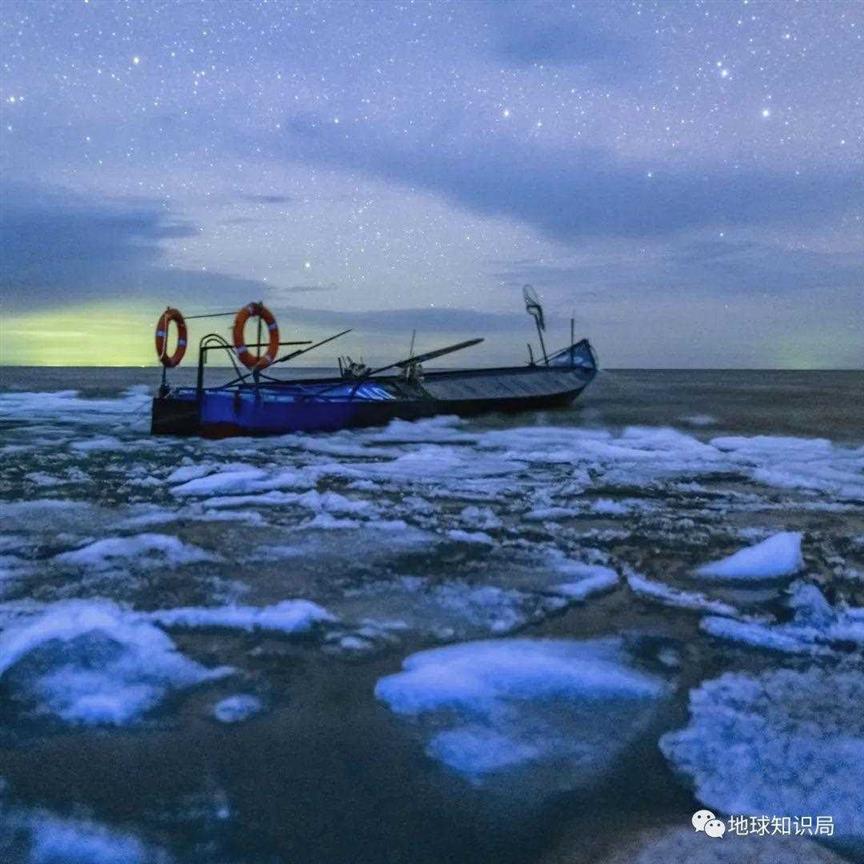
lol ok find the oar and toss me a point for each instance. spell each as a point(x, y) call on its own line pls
point(290, 356)
point(430, 355)
point(300, 351)
point(401, 364)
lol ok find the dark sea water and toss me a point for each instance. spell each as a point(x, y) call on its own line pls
point(211, 651)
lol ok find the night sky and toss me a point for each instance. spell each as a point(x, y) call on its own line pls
point(685, 178)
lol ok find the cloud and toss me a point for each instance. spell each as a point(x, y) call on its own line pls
point(60, 248)
point(716, 267)
point(304, 289)
point(268, 199)
point(548, 34)
point(578, 192)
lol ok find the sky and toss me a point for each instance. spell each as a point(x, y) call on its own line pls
point(685, 179)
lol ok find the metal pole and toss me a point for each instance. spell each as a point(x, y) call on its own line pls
point(199, 387)
point(542, 343)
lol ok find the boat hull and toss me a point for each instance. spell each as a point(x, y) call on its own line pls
point(326, 405)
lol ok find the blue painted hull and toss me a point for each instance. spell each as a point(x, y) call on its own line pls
point(326, 405)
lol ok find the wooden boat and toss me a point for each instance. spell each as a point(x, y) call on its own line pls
point(257, 403)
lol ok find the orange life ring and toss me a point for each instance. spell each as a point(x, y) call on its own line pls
point(247, 358)
point(162, 325)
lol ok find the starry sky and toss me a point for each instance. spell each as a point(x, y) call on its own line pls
point(685, 179)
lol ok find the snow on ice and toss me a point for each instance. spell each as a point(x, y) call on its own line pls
point(816, 628)
point(775, 558)
point(666, 595)
point(493, 706)
point(140, 549)
point(289, 616)
point(52, 839)
point(785, 742)
point(90, 663)
point(235, 709)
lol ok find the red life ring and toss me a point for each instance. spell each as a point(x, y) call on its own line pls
point(162, 325)
point(247, 358)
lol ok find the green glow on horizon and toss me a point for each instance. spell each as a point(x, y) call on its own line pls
point(86, 336)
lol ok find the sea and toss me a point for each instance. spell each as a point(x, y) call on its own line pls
point(547, 637)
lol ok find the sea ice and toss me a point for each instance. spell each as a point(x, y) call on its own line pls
point(452, 609)
point(140, 549)
point(45, 838)
point(235, 709)
point(289, 616)
point(90, 663)
point(666, 595)
point(683, 845)
point(589, 579)
point(608, 507)
point(63, 407)
point(496, 705)
point(775, 558)
point(784, 742)
point(470, 537)
point(816, 627)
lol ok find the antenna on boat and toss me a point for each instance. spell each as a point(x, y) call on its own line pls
point(411, 349)
point(535, 310)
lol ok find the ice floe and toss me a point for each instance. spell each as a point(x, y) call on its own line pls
point(68, 407)
point(42, 837)
point(675, 845)
point(587, 580)
point(140, 549)
point(46, 515)
point(289, 616)
point(450, 609)
point(90, 663)
point(666, 595)
point(797, 463)
point(491, 706)
point(784, 742)
point(816, 628)
point(607, 507)
point(235, 709)
point(775, 558)
point(470, 536)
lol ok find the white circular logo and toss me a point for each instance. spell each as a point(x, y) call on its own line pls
point(701, 818)
point(715, 827)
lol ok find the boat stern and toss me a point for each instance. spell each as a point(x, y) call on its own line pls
point(173, 416)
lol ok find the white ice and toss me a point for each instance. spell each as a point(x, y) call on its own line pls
point(666, 595)
point(235, 709)
point(784, 742)
point(69, 407)
point(816, 628)
point(94, 663)
point(775, 558)
point(53, 839)
point(140, 549)
point(586, 580)
point(289, 616)
point(494, 705)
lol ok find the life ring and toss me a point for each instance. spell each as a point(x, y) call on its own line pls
point(247, 358)
point(162, 325)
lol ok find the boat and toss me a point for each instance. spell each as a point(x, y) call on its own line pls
point(256, 402)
